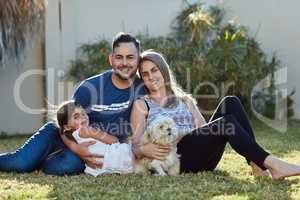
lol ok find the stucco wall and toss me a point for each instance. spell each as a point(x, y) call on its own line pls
point(14, 119)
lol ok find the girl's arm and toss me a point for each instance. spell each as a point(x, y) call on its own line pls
point(97, 134)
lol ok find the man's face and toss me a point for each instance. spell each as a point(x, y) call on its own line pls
point(125, 60)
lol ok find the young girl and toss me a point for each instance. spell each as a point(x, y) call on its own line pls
point(73, 121)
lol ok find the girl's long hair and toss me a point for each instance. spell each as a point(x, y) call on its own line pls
point(64, 113)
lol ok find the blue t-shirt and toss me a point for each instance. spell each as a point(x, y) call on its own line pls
point(108, 107)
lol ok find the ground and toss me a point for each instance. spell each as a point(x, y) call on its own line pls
point(231, 180)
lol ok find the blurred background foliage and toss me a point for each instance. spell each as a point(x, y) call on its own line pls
point(210, 57)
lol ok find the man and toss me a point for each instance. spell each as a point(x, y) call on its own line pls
point(108, 99)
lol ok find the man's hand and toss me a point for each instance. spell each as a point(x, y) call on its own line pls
point(84, 154)
point(155, 151)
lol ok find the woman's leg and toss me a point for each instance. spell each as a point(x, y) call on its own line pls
point(231, 105)
point(204, 147)
point(35, 150)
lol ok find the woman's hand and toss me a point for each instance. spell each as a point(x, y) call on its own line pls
point(155, 151)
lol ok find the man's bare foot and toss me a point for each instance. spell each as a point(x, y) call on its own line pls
point(280, 169)
point(257, 171)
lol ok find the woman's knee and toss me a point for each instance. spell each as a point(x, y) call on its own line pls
point(231, 99)
point(231, 102)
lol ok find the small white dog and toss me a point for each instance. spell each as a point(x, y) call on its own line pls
point(162, 131)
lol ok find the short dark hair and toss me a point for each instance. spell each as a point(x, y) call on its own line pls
point(125, 37)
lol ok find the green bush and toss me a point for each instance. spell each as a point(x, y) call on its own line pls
point(202, 48)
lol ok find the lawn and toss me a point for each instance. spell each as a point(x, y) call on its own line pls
point(231, 180)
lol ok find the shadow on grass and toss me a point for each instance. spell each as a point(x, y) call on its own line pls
point(204, 185)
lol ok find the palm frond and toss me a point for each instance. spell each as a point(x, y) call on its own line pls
point(20, 20)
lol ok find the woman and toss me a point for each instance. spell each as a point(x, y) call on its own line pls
point(201, 144)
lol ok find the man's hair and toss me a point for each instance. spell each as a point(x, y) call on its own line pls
point(125, 37)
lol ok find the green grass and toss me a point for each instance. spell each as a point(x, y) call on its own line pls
point(231, 180)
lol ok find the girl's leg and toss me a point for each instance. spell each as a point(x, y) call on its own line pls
point(35, 150)
point(204, 147)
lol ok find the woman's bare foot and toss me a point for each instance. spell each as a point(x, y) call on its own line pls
point(280, 169)
point(257, 171)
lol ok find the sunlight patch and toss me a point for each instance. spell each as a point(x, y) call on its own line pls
point(13, 189)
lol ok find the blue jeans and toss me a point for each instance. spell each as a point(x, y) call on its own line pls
point(44, 150)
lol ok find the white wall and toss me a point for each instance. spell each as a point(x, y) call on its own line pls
point(14, 119)
point(277, 25)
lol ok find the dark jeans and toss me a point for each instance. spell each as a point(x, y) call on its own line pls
point(203, 148)
point(44, 150)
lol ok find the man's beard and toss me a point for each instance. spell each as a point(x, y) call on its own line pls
point(126, 77)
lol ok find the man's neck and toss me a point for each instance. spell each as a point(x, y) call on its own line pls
point(120, 83)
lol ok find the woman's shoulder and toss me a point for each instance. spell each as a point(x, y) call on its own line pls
point(141, 103)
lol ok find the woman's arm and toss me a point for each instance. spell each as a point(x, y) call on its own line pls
point(138, 125)
point(198, 118)
point(97, 134)
point(138, 117)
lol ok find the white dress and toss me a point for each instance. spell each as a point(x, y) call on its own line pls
point(118, 157)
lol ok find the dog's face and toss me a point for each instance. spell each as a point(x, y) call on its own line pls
point(163, 131)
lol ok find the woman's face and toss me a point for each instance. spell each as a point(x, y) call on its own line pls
point(78, 119)
point(151, 76)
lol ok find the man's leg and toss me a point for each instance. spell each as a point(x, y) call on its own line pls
point(35, 150)
point(63, 162)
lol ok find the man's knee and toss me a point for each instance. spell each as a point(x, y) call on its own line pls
point(65, 163)
point(21, 165)
point(49, 127)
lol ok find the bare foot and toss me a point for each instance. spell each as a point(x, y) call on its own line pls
point(257, 171)
point(280, 169)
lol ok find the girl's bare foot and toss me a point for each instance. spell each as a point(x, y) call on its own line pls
point(280, 169)
point(257, 171)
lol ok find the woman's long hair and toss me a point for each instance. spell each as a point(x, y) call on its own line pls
point(175, 91)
